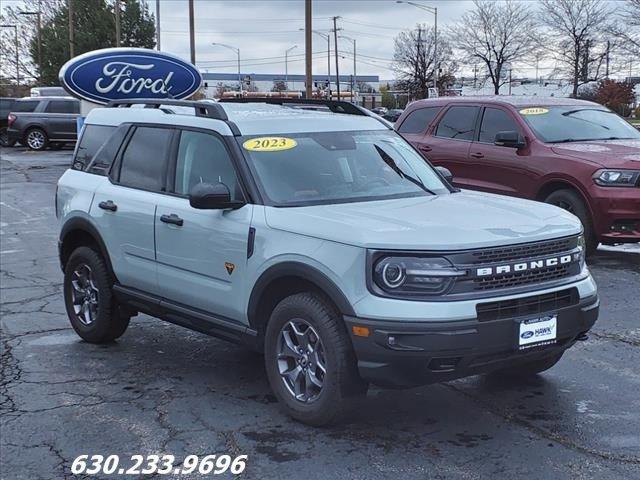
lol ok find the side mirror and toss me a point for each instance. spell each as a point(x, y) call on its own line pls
point(511, 139)
point(207, 196)
point(446, 173)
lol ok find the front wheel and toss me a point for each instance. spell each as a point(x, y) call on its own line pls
point(310, 361)
point(573, 203)
point(91, 307)
point(36, 139)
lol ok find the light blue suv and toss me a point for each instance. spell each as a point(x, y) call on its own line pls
point(321, 238)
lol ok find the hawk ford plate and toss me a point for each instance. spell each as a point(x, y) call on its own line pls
point(537, 332)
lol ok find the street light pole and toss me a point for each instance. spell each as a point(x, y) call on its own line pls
point(15, 27)
point(434, 10)
point(355, 76)
point(158, 24)
point(335, 42)
point(327, 37)
point(237, 50)
point(39, 18)
point(286, 65)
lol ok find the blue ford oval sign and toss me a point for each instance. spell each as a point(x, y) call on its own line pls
point(121, 73)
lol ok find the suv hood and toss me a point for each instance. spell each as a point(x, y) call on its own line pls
point(608, 153)
point(458, 221)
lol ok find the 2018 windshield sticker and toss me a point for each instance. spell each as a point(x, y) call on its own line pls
point(534, 111)
point(269, 144)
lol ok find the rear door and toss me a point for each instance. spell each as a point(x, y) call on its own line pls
point(499, 169)
point(124, 206)
point(202, 254)
point(447, 143)
point(61, 118)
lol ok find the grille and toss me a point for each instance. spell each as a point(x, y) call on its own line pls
point(522, 278)
point(529, 250)
point(521, 307)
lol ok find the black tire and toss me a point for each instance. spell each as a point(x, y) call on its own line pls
point(108, 321)
point(341, 386)
point(529, 369)
point(573, 203)
point(4, 138)
point(36, 139)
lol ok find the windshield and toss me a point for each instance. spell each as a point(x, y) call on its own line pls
point(336, 167)
point(575, 124)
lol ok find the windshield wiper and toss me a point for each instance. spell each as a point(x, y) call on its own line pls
point(394, 166)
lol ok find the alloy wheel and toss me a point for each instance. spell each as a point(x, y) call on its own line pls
point(84, 294)
point(35, 139)
point(301, 360)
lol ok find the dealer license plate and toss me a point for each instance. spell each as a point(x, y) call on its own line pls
point(536, 332)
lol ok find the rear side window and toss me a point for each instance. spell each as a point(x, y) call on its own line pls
point(418, 120)
point(5, 106)
point(93, 136)
point(495, 120)
point(102, 160)
point(458, 123)
point(63, 106)
point(25, 106)
point(145, 158)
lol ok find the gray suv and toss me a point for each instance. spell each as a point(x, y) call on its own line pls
point(322, 239)
point(40, 122)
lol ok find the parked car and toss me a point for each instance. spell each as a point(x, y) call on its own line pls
point(393, 114)
point(575, 154)
point(380, 110)
point(40, 122)
point(5, 108)
point(323, 239)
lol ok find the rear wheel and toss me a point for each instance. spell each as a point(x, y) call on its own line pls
point(36, 139)
point(4, 138)
point(573, 203)
point(91, 307)
point(310, 360)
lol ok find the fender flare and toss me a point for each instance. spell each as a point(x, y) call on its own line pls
point(297, 269)
point(82, 224)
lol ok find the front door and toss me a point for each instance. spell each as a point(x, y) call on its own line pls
point(202, 254)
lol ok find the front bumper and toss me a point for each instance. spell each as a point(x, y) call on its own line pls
point(616, 213)
point(421, 353)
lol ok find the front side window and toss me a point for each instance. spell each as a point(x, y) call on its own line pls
point(93, 136)
point(63, 106)
point(571, 123)
point(458, 123)
point(25, 106)
point(144, 159)
point(337, 167)
point(203, 158)
point(418, 120)
point(495, 120)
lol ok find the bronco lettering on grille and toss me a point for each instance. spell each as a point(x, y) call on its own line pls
point(526, 266)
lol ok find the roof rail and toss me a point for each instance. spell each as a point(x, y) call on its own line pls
point(335, 106)
point(202, 109)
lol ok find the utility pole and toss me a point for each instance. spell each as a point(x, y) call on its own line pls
point(436, 63)
point(419, 57)
point(537, 66)
point(15, 27)
point(607, 68)
point(510, 79)
point(71, 32)
point(158, 24)
point(116, 10)
point(192, 36)
point(308, 51)
point(475, 76)
point(335, 42)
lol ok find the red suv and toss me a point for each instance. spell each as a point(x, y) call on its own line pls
point(575, 154)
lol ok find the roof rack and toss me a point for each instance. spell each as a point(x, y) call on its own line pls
point(202, 109)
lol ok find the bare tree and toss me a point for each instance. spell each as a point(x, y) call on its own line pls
point(496, 34)
point(413, 60)
point(575, 38)
point(626, 27)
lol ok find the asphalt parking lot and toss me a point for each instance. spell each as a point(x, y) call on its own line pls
point(163, 389)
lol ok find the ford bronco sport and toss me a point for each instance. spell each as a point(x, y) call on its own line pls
point(322, 239)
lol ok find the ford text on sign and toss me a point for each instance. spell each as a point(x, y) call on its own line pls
point(123, 73)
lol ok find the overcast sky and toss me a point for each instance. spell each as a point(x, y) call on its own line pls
point(263, 30)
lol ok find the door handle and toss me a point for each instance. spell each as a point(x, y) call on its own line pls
point(108, 205)
point(173, 219)
point(477, 155)
point(425, 148)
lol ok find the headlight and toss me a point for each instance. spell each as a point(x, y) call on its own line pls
point(406, 276)
point(616, 178)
